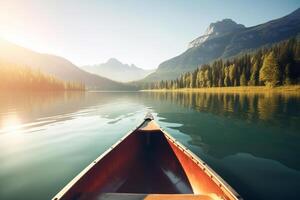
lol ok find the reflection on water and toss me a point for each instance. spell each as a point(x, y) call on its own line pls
point(245, 106)
point(18, 109)
point(252, 140)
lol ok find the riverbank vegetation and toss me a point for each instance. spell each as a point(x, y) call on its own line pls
point(291, 89)
point(277, 65)
point(15, 77)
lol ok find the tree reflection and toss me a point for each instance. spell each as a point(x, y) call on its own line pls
point(225, 124)
point(242, 105)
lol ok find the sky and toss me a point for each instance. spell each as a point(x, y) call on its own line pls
point(140, 32)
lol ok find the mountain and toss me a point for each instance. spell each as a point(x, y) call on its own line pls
point(115, 70)
point(225, 39)
point(215, 30)
point(56, 66)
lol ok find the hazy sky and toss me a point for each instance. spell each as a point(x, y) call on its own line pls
point(134, 31)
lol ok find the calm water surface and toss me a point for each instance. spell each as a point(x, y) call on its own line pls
point(252, 141)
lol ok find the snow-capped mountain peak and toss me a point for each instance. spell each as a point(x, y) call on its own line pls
point(216, 29)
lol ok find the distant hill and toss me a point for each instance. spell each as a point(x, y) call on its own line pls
point(25, 79)
point(56, 66)
point(225, 39)
point(115, 70)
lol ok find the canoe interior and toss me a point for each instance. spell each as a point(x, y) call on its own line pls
point(144, 162)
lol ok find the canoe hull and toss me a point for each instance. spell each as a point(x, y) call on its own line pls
point(147, 161)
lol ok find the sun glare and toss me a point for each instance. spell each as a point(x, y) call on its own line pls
point(20, 40)
point(11, 124)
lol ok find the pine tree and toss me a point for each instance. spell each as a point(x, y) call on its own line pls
point(207, 75)
point(287, 75)
point(254, 75)
point(243, 80)
point(202, 78)
point(232, 74)
point(269, 73)
point(226, 79)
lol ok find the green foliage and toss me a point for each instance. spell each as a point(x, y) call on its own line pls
point(270, 72)
point(276, 65)
point(243, 81)
point(254, 78)
point(14, 77)
point(232, 74)
point(287, 75)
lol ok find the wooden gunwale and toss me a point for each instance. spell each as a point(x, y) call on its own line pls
point(91, 165)
point(222, 184)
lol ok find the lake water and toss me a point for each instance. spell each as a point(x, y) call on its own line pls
point(252, 141)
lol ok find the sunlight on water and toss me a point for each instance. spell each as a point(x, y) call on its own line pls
point(48, 138)
point(11, 124)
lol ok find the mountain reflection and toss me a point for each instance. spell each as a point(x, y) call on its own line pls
point(223, 124)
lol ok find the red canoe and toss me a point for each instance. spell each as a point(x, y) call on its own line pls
point(147, 163)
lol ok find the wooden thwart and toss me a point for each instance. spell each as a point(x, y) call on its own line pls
point(127, 196)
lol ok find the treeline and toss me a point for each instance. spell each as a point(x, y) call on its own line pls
point(15, 77)
point(276, 65)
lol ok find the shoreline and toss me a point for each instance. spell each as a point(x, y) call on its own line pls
point(239, 89)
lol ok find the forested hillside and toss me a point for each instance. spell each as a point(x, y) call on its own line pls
point(225, 39)
point(56, 66)
point(15, 77)
point(276, 65)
